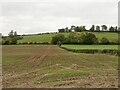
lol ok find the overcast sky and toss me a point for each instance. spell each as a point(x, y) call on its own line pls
point(36, 16)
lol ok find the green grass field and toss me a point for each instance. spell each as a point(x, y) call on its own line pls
point(39, 38)
point(42, 66)
point(91, 46)
point(48, 37)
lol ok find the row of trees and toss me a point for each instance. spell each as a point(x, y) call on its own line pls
point(92, 29)
point(11, 39)
point(78, 38)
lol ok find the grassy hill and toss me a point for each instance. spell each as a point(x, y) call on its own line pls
point(47, 37)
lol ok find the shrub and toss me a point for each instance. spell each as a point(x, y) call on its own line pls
point(88, 38)
point(104, 40)
point(58, 38)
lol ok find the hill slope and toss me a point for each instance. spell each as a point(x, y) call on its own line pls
point(47, 37)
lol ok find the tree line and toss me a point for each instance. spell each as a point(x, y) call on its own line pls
point(80, 38)
point(92, 29)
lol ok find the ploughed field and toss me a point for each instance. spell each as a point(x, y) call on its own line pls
point(50, 66)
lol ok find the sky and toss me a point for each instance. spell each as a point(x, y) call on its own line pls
point(38, 16)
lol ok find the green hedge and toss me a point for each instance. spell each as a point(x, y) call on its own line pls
point(93, 51)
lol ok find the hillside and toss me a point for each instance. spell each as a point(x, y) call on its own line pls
point(47, 37)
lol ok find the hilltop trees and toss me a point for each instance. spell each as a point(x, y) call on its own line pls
point(61, 30)
point(97, 28)
point(104, 27)
point(93, 28)
point(73, 29)
point(112, 29)
point(11, 38)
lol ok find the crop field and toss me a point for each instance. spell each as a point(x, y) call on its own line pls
point(38, 66)
point(48, 37)
point(91, 46)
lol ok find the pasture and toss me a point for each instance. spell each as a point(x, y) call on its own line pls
point(38, 66)
point(48, 37)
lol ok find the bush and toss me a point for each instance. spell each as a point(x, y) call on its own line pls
point(24, 43)
point(104, 40)
point(72, 38)
point(58, 38)
point(88, 38)
point(75, 38)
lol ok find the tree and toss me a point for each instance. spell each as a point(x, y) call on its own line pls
point(88, 38)
point(82, 28)
point(61, 30)
point(104, 40)
point(66, 29)
point(97, 28)
point(111, 29)
point(92, 28)
point(72, 38)
point(15, 33)
point(77, 29)
point(104, 27)
point(116, 28)
point(72, 28)
point(11, 33)
point(58, 38)
point(11, 39)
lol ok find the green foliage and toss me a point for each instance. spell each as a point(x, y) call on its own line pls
point(72, 38)
point(11, 39)
point(97, 28)
point(104, 27)
point(113, 29)
point(112, 36)
point(76, 38)
point(61, 30)
point(79, 47)
point(104, 40)
point(58, 38)
point(88, 38)
point(80, 29)
point(92, 28)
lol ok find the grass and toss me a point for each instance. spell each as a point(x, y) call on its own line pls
point(48, 37)
point(50, 66)
point(91, 46)
point(39, 38)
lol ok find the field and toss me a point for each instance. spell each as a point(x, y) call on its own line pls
point(39, 38)
point(51, 66)
point(91, 46)
point(48, 37)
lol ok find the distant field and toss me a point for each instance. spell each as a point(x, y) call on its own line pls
point(91, 46)
point(39, 38)
point(48, 66)
point(48, 37)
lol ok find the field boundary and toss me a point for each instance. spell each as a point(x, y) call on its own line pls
point(93, 51)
